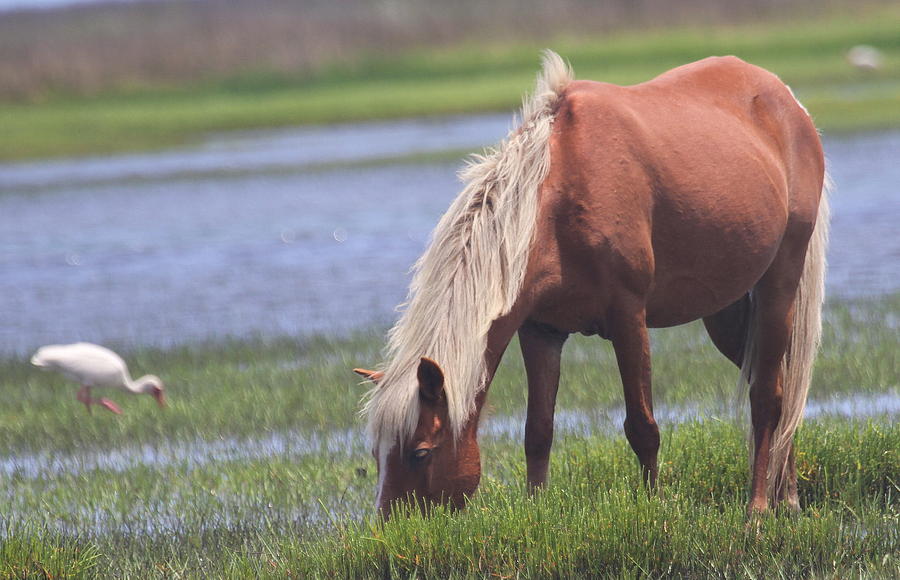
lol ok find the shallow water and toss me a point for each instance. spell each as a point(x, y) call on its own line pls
point(255, 152)
point(247, 235)
point(346, 443)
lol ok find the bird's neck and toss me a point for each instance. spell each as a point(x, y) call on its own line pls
point(138, 386)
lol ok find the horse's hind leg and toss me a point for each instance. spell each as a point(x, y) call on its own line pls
point(787, 494)
point(728, 331)
point(631, 342)
point(541, 351)
point(773, 313)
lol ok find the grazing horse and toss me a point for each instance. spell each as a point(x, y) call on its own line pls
point(608, 211)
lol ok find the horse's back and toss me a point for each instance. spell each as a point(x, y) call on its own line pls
point(714, 100)
point(681, 188)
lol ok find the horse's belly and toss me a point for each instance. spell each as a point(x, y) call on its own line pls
point(709, 255)
point(691, 298)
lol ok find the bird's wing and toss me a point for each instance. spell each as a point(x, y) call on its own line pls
point(89, 364)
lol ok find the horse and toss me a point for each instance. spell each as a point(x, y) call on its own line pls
point(700, 194)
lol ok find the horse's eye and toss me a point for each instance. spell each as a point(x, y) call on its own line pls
point(420, 454)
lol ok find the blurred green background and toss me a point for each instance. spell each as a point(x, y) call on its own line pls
point(138, 75)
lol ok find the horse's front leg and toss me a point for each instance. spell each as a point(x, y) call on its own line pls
point(541, 350)
point(631, 342)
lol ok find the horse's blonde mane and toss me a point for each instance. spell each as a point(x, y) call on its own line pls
point(471, 272)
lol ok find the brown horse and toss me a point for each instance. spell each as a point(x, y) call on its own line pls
point(698, 194)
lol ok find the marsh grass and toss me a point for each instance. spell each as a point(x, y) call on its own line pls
point(594, 519)
point(258, 468)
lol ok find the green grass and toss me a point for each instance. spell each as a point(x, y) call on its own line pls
point(240, 520)
point(595, 520)
point(258, 469)
point(809, 55)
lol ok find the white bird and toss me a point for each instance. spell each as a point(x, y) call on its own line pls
point(92, 365)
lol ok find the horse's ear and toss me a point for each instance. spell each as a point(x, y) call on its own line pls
point(373, 376)
point(431, 380)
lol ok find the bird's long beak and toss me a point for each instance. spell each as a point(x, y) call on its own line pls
point(160, 396)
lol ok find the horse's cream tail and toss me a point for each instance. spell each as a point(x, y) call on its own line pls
point(801, 351)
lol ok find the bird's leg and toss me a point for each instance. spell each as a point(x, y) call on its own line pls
point(109, 405)
point(84, 396)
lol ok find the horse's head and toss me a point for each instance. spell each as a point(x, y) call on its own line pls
point(430, 466)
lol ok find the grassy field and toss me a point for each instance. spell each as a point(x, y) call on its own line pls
point(258, 468)
point(809, 54)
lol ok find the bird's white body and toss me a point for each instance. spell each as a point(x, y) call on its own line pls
point(85, 363)
point(92, 365)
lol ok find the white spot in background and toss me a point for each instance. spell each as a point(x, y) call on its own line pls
point(73, 259)
point(865, 57)
point(340, 234)
point(288, 236)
